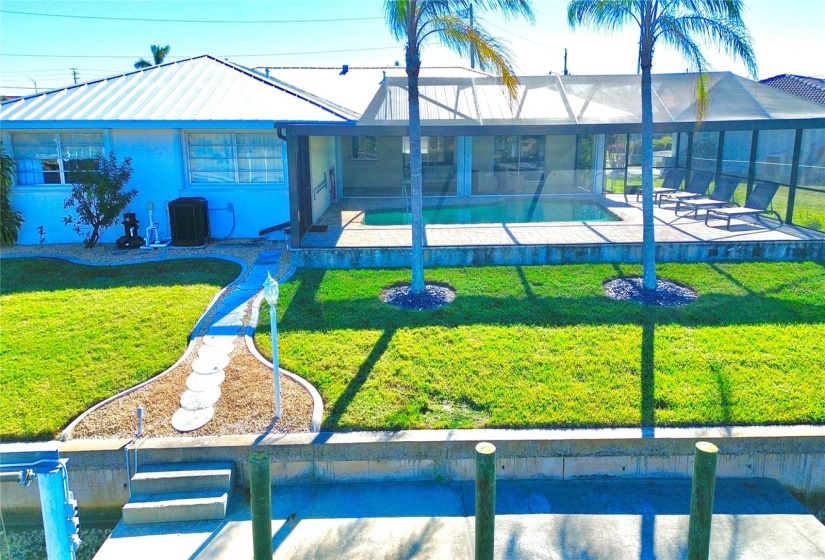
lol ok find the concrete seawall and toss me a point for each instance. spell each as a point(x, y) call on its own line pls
point(793, 455)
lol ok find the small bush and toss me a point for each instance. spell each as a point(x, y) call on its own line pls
point(99, 198)
point(10, 219)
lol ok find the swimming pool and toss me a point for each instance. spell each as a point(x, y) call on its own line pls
point(510, 211)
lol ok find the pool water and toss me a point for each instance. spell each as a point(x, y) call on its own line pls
point(511, 211)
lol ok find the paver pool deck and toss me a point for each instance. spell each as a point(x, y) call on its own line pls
point(592, 519)
point(345, 228)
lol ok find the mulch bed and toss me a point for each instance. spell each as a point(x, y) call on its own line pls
point(246, 406)
point(433, 297)
point(667, 293)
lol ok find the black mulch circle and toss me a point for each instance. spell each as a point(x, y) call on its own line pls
point(433, 296)
point(667, 293)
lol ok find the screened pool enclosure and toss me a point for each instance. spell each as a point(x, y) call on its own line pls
point(563, 137)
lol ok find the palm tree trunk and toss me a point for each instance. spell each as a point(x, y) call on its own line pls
point(648, 235)
point(416, 188)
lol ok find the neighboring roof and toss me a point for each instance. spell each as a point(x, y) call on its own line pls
point(583, 100)
point(806, 87)
point(201, 90)
point(353, 87)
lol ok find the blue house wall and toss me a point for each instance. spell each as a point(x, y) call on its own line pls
point(160, 175)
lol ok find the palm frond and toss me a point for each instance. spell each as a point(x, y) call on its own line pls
point(729, 35)
point(727, 9)
point(702, 97)
point(456, 34)
point(142, 63)
point(395, 12)
point(606, 14)
point(672, 32)
point(416, 21)
point(510, 8)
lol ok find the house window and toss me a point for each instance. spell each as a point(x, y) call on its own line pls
point(54, 158)
point(235, 157)
point(364, 147)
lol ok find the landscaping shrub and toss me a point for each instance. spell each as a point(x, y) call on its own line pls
point(98, 199)
point(10, 219)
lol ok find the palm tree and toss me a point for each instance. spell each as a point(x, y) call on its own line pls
point(416, 21)
point(158, 55)
point(684, 25)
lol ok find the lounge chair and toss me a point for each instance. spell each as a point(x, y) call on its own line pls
point(671, 183)
point(696, 188)
point(721, 196)
point(755, 205)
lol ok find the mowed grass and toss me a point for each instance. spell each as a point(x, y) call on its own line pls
point(71, 335)
point(543, 346)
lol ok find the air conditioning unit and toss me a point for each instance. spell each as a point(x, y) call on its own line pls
point(189, 219)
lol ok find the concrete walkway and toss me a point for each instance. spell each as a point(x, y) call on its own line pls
point(615, 519)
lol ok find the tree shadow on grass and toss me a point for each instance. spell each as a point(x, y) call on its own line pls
point(648, 380)
point(528, 289)
point(306, 312)
point(31, 275)
point(355, 384)
point(764, 293)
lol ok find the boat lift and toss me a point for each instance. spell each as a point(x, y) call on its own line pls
point(24, 462)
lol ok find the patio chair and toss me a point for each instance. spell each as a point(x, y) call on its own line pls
point(721, 196)
point(755, 205)
point(671, 183)
point(696, 188)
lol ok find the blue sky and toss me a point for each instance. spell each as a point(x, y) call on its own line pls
point(789, 37)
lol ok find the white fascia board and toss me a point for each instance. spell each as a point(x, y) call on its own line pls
point(74, 125)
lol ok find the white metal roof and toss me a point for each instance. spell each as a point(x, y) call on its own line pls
point(355, 86)
point(583, 100)
point(201, 90)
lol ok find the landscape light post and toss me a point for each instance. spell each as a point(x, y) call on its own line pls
point(271, 296)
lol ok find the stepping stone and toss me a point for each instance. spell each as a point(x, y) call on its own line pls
point(208, 366)
point(215, 352)
point(202, 383)
point(187, 420)
point(197, 400)
point(218, 340)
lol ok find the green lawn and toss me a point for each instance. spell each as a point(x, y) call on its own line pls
point(70, 335)
point(542, 346)
point(809, 209)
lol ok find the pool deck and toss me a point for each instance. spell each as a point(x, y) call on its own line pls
point(348, 242)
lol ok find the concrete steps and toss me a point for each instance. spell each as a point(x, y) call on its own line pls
point(179, 492)
point(164, 508)
point(182, 477)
